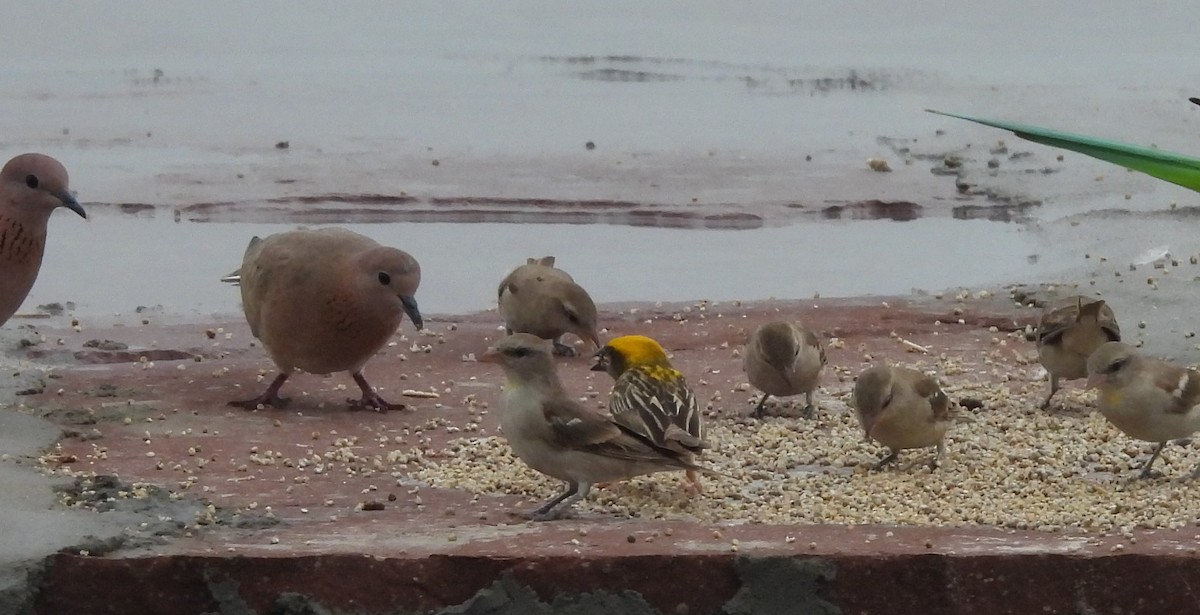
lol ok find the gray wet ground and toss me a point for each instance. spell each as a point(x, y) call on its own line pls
point(744, 128)
point(767, 111)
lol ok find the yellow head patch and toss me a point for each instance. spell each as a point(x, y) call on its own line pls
point(639, 350)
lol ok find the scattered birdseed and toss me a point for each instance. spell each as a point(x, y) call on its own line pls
point(1011, 466)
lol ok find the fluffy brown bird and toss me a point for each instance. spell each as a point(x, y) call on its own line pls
point(652, 398)
point(31, 187)
point(783, 359)
point(325, 301)
point(1147, 399)
point(901, 408)
point(559, 437)
point(540, 299)
point(1068, 332)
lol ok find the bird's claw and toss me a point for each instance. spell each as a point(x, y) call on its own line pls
point(374, 402)
point(547, 515)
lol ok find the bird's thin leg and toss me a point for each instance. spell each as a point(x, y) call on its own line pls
point(810, 410)
point(1053, 390)
point(1146, 468)
point(575, 492)
point(691, 482)
point(758, 410)
point(561, 349)
point(564, 507)
point(886, 460)
point(370, 399)
point(270, 397)
point(937, 457)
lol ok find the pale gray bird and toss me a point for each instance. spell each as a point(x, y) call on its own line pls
point(31, 187)
point(1068, 331)
point(325, 301)
point(556, 435)
point(784, 359)
point(1146, 398)
point(540, 299)
point(901, 408)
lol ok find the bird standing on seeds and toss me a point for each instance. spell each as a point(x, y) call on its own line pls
point(651, 398)
point(1146, 398)
point(901, 408)
point(31, 187)
point(540, 299)
point(783, 359)
point(560, 437)
point(1068, 332)
point(325, 301)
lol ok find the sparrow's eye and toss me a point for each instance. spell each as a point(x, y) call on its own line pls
point(518, 352)
point(887, 401)
point(1115, 366)
point(31, 180)
point(384, 278)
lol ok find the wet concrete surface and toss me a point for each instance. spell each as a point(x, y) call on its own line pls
point(214, 512)
point(723, 157)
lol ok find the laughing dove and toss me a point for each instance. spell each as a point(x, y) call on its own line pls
point(558, 436)
point(901, 408)
point(325, 301)
point(1148, 399)
point(31, 187)
point(784, 359)
point(540, 299)
point(1068, 331)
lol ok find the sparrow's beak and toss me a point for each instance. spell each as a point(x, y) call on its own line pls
point(490, 356)
point(601, 363)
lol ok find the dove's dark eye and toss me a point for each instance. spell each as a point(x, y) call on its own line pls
point(384, 278)
point(31, 180)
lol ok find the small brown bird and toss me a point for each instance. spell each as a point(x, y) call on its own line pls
point(651, 398)
point(1147, 399)
point(325, 301)
point(541, 299)
point(559, 437)
point(1068, 331)
point(31, 187)
point(901, 408)
point(783, 359)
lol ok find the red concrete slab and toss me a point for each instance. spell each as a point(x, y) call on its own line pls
point(338, 504)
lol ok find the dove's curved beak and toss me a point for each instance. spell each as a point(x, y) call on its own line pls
point(68, 201)
point(410, 308)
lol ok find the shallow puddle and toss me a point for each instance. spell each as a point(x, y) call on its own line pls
point(115, 263)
